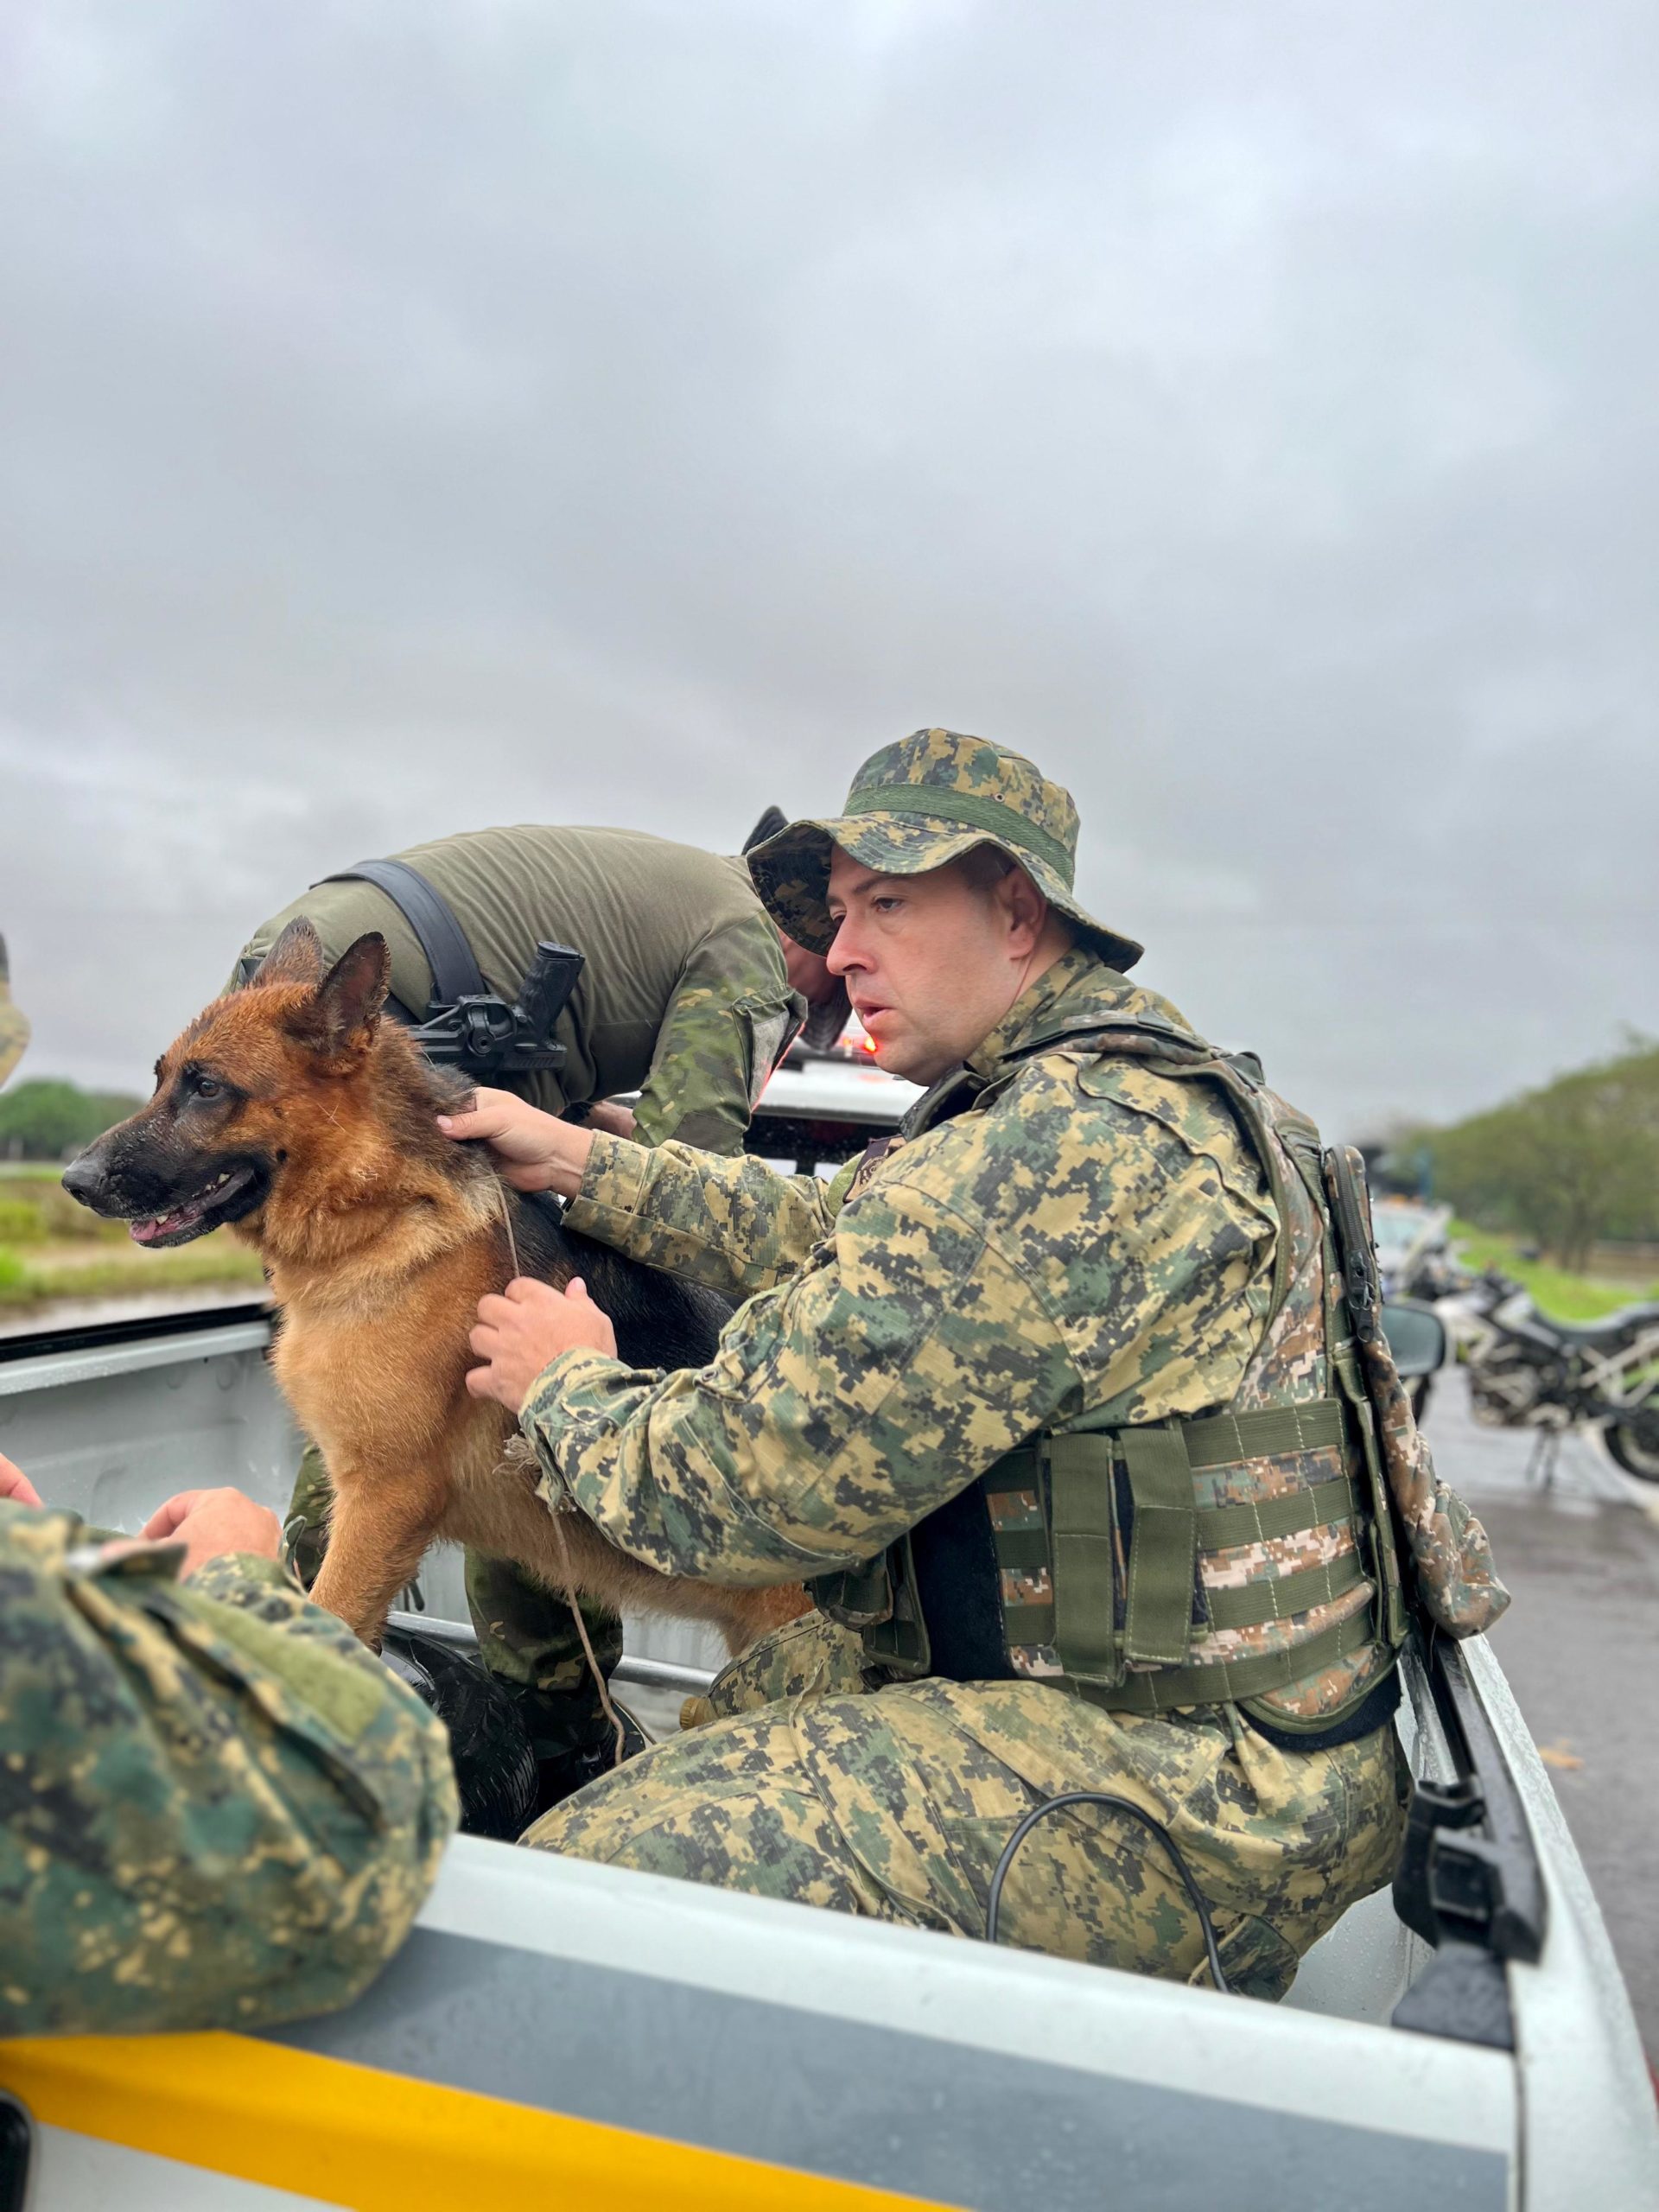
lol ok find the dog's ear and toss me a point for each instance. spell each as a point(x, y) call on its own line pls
point(297, 956)
point(354, 991)
point(350, 996)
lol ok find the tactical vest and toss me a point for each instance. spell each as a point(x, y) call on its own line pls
point(1248, 1554)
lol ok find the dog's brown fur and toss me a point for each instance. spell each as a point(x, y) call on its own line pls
point(380, 1236)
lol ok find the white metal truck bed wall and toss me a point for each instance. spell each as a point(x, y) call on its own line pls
point(113, 1431)
point(913, 2063)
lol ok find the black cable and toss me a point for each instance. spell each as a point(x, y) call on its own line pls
point(994, 1904)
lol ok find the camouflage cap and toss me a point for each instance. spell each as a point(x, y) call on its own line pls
point(914, 805)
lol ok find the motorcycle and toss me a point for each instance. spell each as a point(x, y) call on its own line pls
point(1420, 1343)
point(1529, 1370)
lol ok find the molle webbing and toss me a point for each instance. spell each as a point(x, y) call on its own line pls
point(1233, 1680)
point(1108, 1589)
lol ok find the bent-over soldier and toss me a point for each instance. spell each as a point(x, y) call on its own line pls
point(683, 996)
point(1053, 1405)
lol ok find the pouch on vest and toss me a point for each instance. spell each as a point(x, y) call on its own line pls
point(1453, 1576)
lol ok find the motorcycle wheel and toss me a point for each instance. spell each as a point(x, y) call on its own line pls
point(1635, 1446)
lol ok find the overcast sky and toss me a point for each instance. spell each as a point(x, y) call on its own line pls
point(422, 416)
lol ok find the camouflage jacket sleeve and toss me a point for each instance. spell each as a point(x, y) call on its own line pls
point(220, 1809)
point(735, 1225)
point(722, 1029)
point(911, 1354)
point(1055, 1254)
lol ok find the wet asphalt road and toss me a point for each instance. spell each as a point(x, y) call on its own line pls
point(1581, 1646)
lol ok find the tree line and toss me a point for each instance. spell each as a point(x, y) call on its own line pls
point(1569, 1166)
point(45, 1119)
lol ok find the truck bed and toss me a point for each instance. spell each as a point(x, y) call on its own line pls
point(684, 2046)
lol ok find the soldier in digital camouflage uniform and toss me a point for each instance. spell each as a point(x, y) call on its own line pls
point(14, 1025)
point(217, 1809)
point(1054, 1406)
point(684, 998)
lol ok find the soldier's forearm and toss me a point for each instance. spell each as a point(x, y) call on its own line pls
point(719, 1129)
point(838, 1412)
point(534, 1151)
point(734, 1225)
point(719, 1037)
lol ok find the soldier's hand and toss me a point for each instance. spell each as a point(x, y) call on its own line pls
point(615, 1121)
point(14, 1483)
point(533, 1151)
point(520, 1334)
point(208, 1522)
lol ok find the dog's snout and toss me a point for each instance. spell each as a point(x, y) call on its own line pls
point(85, 1179)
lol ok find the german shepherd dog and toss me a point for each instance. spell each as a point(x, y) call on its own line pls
point(294, 1113)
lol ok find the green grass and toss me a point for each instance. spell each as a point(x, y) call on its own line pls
point(35, 1208)
point(1568, 1297)
point(129, 1273)
point(51, 1247)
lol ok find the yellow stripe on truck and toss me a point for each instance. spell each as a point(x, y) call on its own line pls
point(378, 2142)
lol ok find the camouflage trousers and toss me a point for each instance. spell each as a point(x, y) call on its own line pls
point(896, 1803)
point(526, 1636)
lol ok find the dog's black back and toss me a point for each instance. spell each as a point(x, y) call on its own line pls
point(660, 1320)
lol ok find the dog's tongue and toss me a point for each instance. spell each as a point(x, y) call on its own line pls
point(147, 1232)
point(193, 1212)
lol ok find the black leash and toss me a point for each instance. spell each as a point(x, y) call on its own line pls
point(994, 1904)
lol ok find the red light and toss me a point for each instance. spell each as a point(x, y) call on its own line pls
point(867, 1044)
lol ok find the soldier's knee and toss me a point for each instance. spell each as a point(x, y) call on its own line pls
point(353, 1910)
point(305, 1527)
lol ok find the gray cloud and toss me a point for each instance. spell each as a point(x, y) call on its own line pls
point(424, 418)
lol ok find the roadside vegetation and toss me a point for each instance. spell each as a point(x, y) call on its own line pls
point(48, 1120)
point(1565, 1168)
point(1556, 1291)
point(51, 1249)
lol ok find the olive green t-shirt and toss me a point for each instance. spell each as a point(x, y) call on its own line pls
point(683, 996)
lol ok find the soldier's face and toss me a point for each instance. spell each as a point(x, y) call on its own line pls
point(808, 972)
point(933, 962)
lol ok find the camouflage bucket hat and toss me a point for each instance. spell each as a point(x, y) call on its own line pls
point(915, 805)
